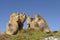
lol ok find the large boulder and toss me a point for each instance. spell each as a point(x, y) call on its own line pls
point(37, 23)
point(42, 23)
point(12, 25)
point(29, 20)
point(31, 24)
point(15, 23)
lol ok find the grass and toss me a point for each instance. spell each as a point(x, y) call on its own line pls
point(28, 35)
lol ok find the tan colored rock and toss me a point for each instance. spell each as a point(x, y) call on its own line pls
point(22, 17)
point(15, 23)
point(42, 23)
point(31, 24)
point(37, 23)
point(12, 25)
point(29, 20)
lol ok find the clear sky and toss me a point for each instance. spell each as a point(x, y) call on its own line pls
point(48, 9)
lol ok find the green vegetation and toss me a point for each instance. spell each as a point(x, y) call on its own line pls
point(28, 35)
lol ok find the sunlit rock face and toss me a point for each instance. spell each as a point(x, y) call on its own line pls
point(29, 20)
point(31, 23)
point(42, 23)
point(12, 25)
point(37, 23)
point(15, 23)
point(52, 38)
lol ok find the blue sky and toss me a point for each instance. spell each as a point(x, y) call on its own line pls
point(48, 9)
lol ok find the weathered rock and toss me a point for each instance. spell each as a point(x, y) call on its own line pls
point(12, 25)
point(17, 20)
point(42, 23)
point(31, 23)
point(29, 20)
point(37, 23)
point(15, 23)
point(21, 20)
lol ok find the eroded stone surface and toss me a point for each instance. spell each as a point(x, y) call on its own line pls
point(37, 23)
point(15, 23)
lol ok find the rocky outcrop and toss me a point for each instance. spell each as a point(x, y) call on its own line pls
point(42, 23)
point(16, 22)
point(37, 23)
point(12, 25)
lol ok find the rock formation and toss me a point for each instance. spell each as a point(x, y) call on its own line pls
point(12, 25)
point(31, 24)
point(15, 23)
point(21, 20)
point(29, 20)
point(37, 23)
point(17, 20)
point(42, 23)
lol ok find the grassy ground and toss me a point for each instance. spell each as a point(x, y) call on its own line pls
point(28, 35)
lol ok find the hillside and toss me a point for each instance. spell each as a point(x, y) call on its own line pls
point(37, 28)
point(29, 35)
